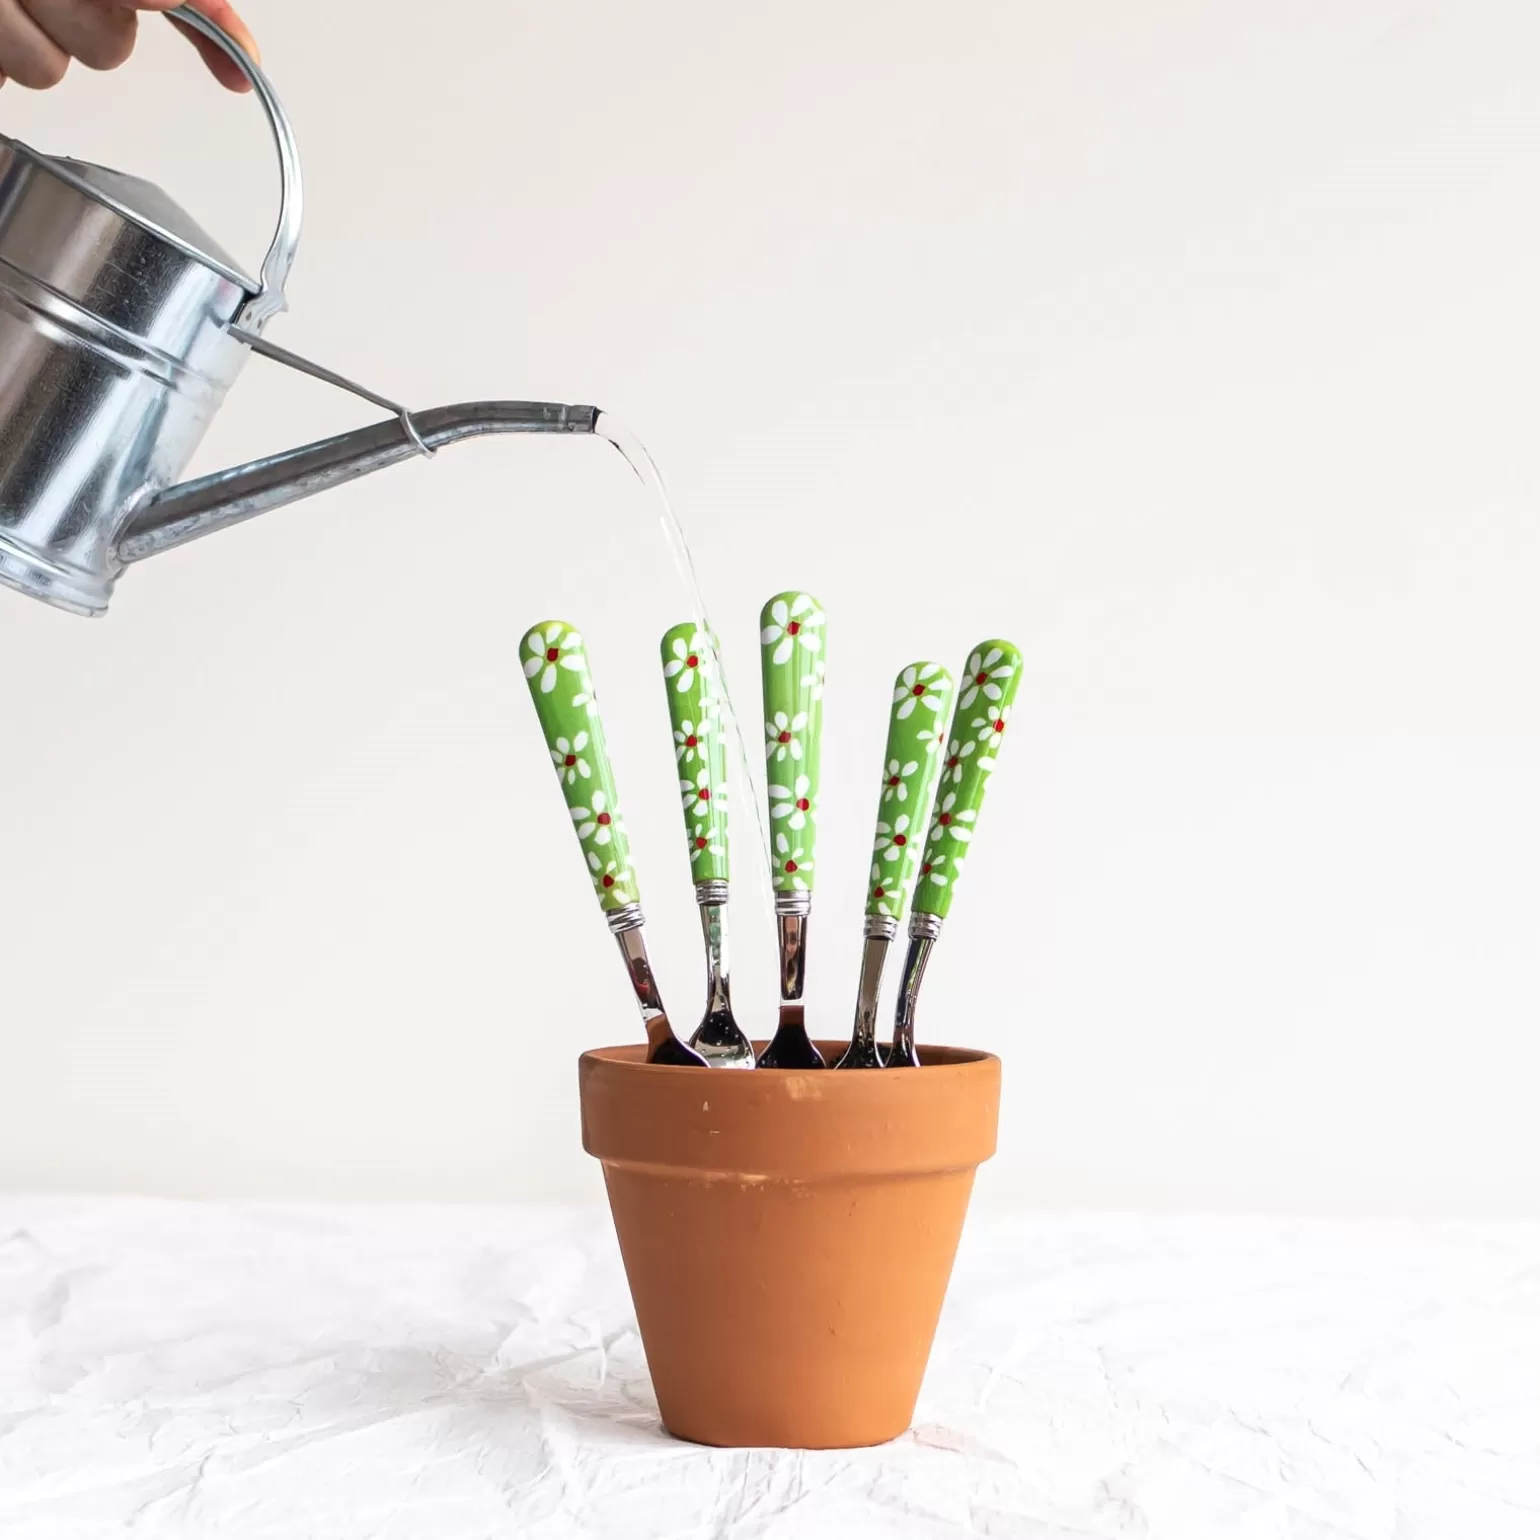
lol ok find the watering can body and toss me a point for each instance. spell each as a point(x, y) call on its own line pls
point(122, 327)
point(115, 353)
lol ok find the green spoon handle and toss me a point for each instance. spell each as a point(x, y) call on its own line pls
point(692, 676)
point(561, 686)
point(985, 693)
point(791, 636)
point(911, 761)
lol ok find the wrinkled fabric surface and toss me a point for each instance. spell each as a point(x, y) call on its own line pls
point(339, 1372)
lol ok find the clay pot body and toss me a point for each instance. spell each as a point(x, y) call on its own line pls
point(788, 1235)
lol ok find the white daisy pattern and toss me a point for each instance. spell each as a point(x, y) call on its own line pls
point(931, 738)
point(957, 752)
point(692, 661)
point(895, 779)
point(892, 838)
point(888, 893)
point(596, 822)
point(952, 820)
point(792, 622)
point(921, 684)
point(794, 803)
point(690, 741)
point(990, 728)
point(989, 674)
point(991, 731)
point(551, 648)
point(812, 682)
point(781, 740)
point(933, 872)
point(703, 848)
point(697, 795)
point(567, 756)
point(612, 880)
point(791, 864)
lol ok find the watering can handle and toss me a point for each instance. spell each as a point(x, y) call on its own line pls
point(271, 298)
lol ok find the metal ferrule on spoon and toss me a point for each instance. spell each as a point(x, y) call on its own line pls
point(985, 692)
point(863, 1052)
point(555, 665)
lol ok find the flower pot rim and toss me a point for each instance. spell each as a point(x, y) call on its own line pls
point(791, 1125)
point(933, 1057)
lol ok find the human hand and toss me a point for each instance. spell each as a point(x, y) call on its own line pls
point(38, 38)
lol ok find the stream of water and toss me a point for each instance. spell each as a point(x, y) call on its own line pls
point(646, 471)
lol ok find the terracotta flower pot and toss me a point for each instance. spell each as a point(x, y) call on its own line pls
point(788, 1235)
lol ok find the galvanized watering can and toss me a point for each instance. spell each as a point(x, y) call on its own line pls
point(122, 326)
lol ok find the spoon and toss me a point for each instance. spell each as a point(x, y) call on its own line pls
point(556, 668)
point(792, 669)
point(700, 751)
point(978, 730)
point(910, 763)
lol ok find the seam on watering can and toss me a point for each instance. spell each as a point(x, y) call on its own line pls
point(71, 575)
point(86, 325)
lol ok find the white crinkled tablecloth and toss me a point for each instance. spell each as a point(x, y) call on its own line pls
point(184, 1369)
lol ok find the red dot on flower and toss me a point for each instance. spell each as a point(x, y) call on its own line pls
point(692, 661)
point(925, 870)
point(784, 738)
point(793, 627)
point(704, 794)
point(552, 654)
point(900, 839)
point(919, 689)
point(945, 819)
point(878, 893)
point(892, 780)
point(791, 866)
point(951, 764)
point(803, 803)
point(603, 818)
point(570, 760)
point(691, 741)
point(609, 881)
point(981, 678)
point(999, 724)
point(700, 842)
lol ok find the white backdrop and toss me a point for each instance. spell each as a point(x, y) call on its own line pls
point(1190, 344)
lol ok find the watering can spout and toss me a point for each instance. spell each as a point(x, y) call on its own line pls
point(198, 508)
